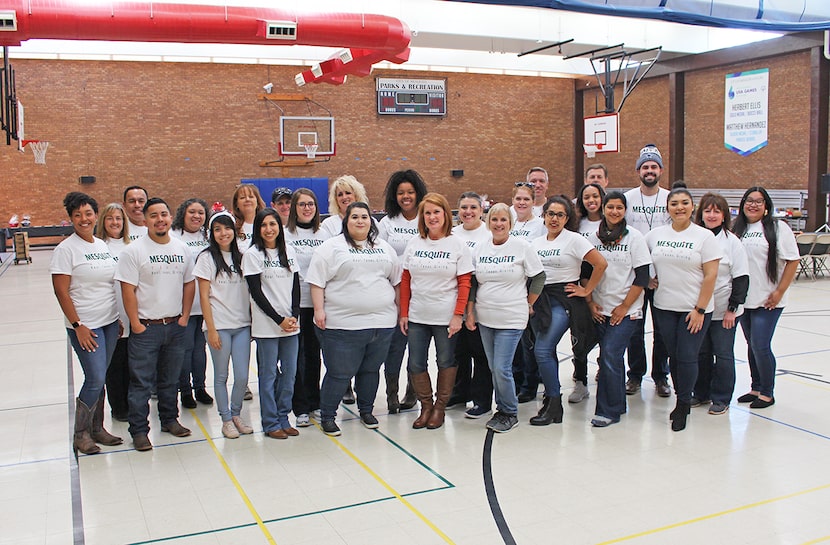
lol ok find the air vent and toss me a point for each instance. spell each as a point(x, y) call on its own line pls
point(281, 30)
point(8, 21)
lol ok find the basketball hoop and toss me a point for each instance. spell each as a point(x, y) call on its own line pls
point(39, 149)
point(310, 150)
point(590, 150)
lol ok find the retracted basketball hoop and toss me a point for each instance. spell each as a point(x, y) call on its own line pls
point(310, 150)
point(39, 148)
point(592, 149)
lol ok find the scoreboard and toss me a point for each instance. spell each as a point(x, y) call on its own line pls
point(397, 96)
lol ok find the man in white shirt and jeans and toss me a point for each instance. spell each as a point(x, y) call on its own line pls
point(156, 275)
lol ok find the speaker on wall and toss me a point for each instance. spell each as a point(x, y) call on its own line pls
point(87, 179)
point(825, 183)
point(456, 173)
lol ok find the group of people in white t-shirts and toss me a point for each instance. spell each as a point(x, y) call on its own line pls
point(494, 294)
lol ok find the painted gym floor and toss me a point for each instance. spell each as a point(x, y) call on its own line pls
point(747, 477)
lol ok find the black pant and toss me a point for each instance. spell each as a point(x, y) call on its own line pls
point(118, 379)
point(307, 382)
point(473, 382)
point(637, 348)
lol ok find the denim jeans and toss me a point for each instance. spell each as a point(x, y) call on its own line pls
point(155, 357)
point(276, 383)
point(346, 354)
point(683, 348)
point(473, 381)
point(613, 341)
point(307, 384)
point(118, 379)
point(394, 356)
point(500, 345)
point(637, 347)
point(236, 348)
point(419, 337)
point(545, 347)
point(758, 325)
point(716, 364)
point(195, 357)
point(94, 364)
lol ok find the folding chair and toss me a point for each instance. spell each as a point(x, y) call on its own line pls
point(805, 242)
point(819, 254)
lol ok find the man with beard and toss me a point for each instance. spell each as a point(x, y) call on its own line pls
point(157, 283)
point(646, 211)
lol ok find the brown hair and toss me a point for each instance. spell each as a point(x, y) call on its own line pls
point(716, 200)
point(260, 204)
point(435, 199)
point(100, 227)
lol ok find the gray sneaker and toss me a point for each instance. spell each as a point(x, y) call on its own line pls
point(580, 392)
point(502, 423)
point(718, 408)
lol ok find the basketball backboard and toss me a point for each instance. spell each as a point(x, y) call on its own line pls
point(296, 132)
point(602, 133)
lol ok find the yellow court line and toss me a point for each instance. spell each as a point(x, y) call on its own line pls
point(388, 487)
point(236, 484)
point(715, 515)
point(819, 540)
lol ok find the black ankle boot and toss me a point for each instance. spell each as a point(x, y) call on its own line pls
point(678, 416)
point(550, 413)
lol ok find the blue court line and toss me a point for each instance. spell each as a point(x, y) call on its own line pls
point(290, 517)
point(792, 426)
point(32, 462)
point(32, 407)
point(74, 470)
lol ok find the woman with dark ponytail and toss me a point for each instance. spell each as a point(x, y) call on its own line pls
point(773, 261)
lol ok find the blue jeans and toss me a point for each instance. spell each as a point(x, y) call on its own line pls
point(500, 345)
point(348, 354)
point(759, 326)
point(716, 364)
point(394, 357)
point(307, 384)
point(236, 347)
point(94, 364)
point(545, 347)
point(419, 337)
point(155, 359)
point(276, 385)
point(683, 349)
point(195, 357)
point(637, 347)
point(613, 341)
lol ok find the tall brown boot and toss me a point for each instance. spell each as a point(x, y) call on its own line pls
point(446, 381)
point(409, 398)
point(99, 434)
point(423, 389)
point(83, 421)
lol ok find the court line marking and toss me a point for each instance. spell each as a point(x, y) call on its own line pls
point(716, 515)
point(817, 540)
point(387, 486)
point(490, 489)
point(233, 479)
point(74, 469)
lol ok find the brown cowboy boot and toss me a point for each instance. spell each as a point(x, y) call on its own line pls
point(446, 381)
point(423, 389)
point(99, 434)
point(82, 442)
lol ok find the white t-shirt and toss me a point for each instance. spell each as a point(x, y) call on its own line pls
point(732, 265)
point(91, 268)
point(562, 257)
point(537, 211)
point(625, 256)
point(196, 242)
point(229, 297)
point(434, 267)
point(757, 248)
point(588, 227)
point(529, 230)
point(501, 272)
point(472, 237)
point(277, 286)
point(244, 241)
point(359, 283)
point(647, 212)
point(398, 231)
point(678, 259)
point(304, 242)
point(116, 246)
point(332, 225)
point(136, 231)
point(159, 272)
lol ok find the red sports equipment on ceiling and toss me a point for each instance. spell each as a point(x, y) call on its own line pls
point(367, 38)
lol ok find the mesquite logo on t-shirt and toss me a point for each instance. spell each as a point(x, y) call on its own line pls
point(405, 230)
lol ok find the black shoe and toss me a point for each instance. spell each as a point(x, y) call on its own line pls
point(203, 397)
point(525, 397)
point(747, 398)
point(369, 421)
point(761, 404)
point(678, 416)
point(121, 417)
point(187, 400)
point(330, 428)
point(348, 397)
point(550, 413)
point(663, 388)
point(632, 387)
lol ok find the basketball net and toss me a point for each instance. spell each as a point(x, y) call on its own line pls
point(591, 149)
point(38, 149)
point(310, 150)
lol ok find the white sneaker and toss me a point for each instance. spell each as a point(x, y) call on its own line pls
point(315, 414)
point(303, 421)
point(580, 392)
point(229, 430)
point(241, 426)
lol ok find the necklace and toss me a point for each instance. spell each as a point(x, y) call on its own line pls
point(650, 216)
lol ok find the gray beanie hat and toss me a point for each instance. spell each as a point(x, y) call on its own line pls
point(649, 153)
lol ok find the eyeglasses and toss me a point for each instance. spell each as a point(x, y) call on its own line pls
point(525, 184)
point(306, 204)
point(552, 214)
point(756, 202)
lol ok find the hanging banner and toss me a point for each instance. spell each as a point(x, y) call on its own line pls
point(746, 111)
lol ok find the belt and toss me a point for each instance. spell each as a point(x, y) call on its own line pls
point(160, 321)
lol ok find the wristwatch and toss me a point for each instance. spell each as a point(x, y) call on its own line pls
point(76, 325)
point(732, 308)
point(700, 310)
